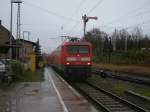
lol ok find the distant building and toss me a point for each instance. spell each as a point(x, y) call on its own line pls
point(21, 49)
point(25, 49)
point(4, 42)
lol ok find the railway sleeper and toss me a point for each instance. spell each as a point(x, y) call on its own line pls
point(99, 95)
point(112, 103)
point(116, 106)
point(107, 99)
point(120, 110)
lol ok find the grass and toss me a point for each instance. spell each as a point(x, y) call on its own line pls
point(119, 87)
point(143, 90)
point(131, 56)
point(29, 76)
point(20, 74)
point(132, 69)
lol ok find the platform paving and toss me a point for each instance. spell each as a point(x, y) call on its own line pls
point(52, 95)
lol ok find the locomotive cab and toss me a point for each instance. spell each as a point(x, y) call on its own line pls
point(77, 59)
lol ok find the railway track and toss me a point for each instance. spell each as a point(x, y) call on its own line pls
point(125, 77)
point(107, 101)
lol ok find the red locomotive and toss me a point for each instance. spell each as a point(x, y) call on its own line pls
point(74, 58)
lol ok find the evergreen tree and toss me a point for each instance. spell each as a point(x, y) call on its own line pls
point(38, 53)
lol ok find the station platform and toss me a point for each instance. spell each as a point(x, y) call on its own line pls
point(52, 95)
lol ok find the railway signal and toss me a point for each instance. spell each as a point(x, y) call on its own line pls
point(85, 20)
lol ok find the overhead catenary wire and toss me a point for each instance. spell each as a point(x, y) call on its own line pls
point(128, 13)
point(132, 26)
point(139, 24)
point(107, 25)
point(35, 24)
point(124, 16)
point(95, 6)
point(76, 11)
point(92, 9)
point(78, 7)
point(76, 24)
point(136, 15)
point(50, 12)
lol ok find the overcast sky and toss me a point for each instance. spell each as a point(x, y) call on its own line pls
point(47, 19)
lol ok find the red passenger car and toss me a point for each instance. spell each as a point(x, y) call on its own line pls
point(74, 58)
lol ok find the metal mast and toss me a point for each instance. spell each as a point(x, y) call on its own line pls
point(18, 29)
point(18, 22)
point(10, 36)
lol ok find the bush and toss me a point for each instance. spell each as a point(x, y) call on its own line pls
point(121, 57)
point(20, 74)
point(16, 70)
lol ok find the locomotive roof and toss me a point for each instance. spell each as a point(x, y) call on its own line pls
point(72, 43)
point(76, 43)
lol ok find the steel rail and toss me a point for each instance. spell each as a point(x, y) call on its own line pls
point(106, 100)
point(125, 77)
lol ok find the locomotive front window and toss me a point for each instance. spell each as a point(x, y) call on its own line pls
point(83, 49)
point(74, 49)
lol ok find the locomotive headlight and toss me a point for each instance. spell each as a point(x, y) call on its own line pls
point(71, 59)
point(89, 63)
point(85, 59)
point(67, 63)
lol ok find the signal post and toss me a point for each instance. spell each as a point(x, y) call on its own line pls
point(85, 20)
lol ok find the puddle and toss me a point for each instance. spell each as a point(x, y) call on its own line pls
point(33, 92)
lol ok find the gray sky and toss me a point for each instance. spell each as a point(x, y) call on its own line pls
point(44, 18)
